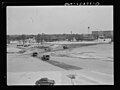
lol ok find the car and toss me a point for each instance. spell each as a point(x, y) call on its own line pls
point(65, 47)
point(45, 57)
point(44, 81)
point(34, 54)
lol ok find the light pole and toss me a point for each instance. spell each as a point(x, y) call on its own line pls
point(42, 38)
point(71, 36)
point(88, 30)
point(71, 76)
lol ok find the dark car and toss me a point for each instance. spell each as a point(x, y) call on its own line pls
point(45, 57)
point(19, 45)
point(45, 81)
point(65, 47)
point(34, 54)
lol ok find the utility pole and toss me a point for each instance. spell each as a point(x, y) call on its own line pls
point(42, 40)
point(88, 30)
point(71, 36)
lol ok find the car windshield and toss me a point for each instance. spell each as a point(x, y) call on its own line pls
point(44, 79)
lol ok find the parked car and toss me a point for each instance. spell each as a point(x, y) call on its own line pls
point(45, 81)
point(65, 47)
point(34, 54)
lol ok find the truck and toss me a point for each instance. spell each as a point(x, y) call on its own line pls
point(43, 57)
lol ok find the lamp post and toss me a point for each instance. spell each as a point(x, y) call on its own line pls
point(71, 76)
point(88, 30)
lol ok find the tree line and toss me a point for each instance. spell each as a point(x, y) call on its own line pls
point(45, 37)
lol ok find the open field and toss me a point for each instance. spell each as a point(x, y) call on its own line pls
point(92, 65)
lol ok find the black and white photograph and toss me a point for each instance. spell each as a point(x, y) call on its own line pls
point(60, 45)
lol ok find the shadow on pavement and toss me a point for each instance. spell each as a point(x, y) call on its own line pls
point(63, 65)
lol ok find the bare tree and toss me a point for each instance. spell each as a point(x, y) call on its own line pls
point(38, 39)
point(23, 37)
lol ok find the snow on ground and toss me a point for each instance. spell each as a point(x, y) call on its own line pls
point(26, 63)
point(89, 70)
point(61, 78)
point(99, 52)
point(84, 77)
point(13, 49)
point(80, 42)
point(87, 64)
point(29, 78)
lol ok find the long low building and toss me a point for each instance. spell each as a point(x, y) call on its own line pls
point(106, 34)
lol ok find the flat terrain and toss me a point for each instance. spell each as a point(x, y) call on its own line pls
point(92, 65)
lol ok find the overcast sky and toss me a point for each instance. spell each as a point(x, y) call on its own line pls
point(58, 19)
